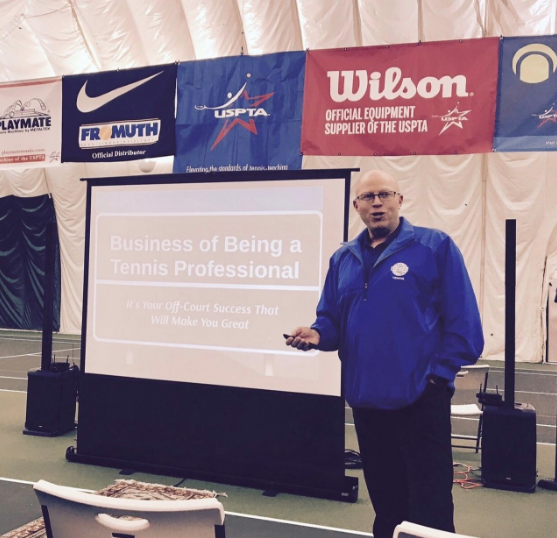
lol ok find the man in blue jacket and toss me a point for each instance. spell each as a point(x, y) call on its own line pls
point(399, 307)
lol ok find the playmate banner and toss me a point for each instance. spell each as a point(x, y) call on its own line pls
point(421, 99)
point(119, 115)
point(240, 113)
point(527, 95)
point(31, 123)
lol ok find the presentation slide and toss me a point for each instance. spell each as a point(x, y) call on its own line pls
point(197, 282)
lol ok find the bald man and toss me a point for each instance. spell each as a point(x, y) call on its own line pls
point(399, 307)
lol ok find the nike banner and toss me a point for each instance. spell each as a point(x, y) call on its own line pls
point(432, 98)
point(240, 113)
point(119, 115)
point(31, 123)
point(527, 95)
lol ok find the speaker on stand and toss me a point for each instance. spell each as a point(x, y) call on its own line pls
point(52, 388)
point(509, 429)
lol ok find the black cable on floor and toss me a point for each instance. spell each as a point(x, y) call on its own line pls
point(352, 459)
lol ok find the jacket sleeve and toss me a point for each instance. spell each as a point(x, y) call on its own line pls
point(327, 323)
point(462, 340)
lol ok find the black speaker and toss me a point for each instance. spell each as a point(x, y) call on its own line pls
point(509, 447)
point(51, 401)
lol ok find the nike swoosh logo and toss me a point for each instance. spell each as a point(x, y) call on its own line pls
point(88, 104)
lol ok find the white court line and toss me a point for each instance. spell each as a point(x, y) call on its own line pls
point(299, 524)
point(61, 350)
point(550, 373)
point(54, 340)
point(17, 356)
point(248, 516)
point(18, 391)
point(37, 353)
point(7, 377)
point(531, 392)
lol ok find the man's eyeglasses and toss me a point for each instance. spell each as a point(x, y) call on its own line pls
point(370, 196)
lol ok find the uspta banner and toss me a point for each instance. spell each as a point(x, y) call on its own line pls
point(119, 115)
point(527, 95)
point(31, 123)
point(430, 98)
point(240, 113)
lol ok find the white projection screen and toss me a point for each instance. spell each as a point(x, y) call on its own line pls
point(197, 281)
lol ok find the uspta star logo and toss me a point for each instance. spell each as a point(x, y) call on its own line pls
point(453, 117)
point(547, 116)
point(250, 109)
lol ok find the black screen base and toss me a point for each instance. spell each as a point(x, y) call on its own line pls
point(348, 492)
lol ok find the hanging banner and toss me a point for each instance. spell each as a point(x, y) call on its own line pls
point(424, 99)
point(30, 123)
point(527, 95)
point(240, 113)
point(119, 115)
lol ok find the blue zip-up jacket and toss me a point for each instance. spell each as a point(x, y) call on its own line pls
point(414, 315)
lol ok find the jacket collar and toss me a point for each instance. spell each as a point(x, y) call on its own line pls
point(404, 238)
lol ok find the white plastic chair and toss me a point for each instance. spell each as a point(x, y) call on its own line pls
point(467, 384)
point(69, 512)
point(412, 530)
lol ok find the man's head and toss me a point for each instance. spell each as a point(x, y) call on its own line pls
point(379, 215)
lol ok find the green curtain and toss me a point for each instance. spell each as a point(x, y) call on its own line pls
point(23, 239)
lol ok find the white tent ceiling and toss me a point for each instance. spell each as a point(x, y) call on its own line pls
point(467, 196)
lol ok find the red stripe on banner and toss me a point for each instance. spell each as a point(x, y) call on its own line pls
point(433, 98)
point(37, 82)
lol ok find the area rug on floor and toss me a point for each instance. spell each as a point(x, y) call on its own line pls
point(124, 489)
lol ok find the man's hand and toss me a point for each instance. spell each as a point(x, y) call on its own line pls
point(302, 337)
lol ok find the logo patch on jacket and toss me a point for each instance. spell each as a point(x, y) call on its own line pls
point(399, 270)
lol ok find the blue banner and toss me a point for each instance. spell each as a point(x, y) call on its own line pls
point(527, 95)
point(119, 115)
point(240, 113)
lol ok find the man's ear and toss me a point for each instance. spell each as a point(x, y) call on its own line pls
point(401, 199)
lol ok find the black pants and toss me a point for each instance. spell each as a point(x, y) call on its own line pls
point(407, 462)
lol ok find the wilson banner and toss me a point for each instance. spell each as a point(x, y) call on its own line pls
point(119, 115)
point(240, 113)
point(527, 95)
point(424, 99)
point(31, 123)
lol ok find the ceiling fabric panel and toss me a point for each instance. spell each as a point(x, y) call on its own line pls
point(215, 27)
point(24, 183)
point(164, 30)
point(56, 29)
point(10, 9)
point(21, 55)
point(458, 19)
point(520, 17)
point(512, 192)
point(69, 195)
point(328, 24)
point(439, 192)
point(270, 26)
point(387, 23)
point(111, 33)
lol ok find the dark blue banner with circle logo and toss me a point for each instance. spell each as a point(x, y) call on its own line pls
point(240, 113)
point(527, 95)
point(119, 115)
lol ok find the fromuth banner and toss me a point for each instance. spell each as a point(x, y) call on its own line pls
point(423, 99)
point(31, 123)
point(119, 115)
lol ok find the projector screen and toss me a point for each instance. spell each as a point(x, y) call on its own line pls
point(197, 282)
